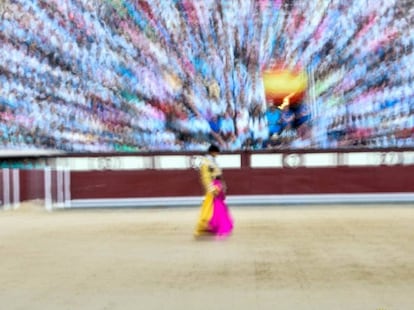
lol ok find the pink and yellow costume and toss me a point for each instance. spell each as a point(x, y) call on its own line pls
point(214, 215)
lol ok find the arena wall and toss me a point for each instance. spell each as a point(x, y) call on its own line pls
point(172, 179)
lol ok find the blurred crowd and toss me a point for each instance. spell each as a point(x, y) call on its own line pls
point(364, 83)
point(114, 75)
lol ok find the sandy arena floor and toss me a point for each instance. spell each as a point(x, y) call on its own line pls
point(359, 257)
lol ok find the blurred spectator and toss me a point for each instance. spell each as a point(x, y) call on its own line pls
point(273, 115)
point(114, 76)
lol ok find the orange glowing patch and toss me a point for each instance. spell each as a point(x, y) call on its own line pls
point(279, 83)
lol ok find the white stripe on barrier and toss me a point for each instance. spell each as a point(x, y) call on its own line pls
point(362, 159)
point(134, 163)
point(67, 193)
point(270, 160)
point(229, 161)
point(6, 188)
point(320, 160)
point(172, 162)
point(248, 200)
point(266, 161)
point(408, 158)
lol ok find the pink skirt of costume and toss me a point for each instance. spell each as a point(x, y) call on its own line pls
point(221, 222)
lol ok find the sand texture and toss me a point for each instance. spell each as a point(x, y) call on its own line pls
point(316, 257)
